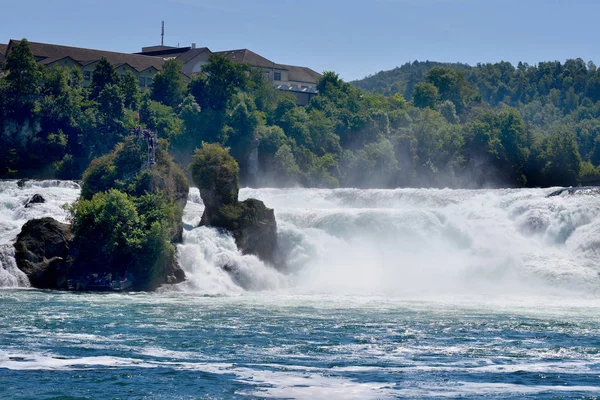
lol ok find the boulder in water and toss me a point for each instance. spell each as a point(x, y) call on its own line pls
point(251, 223)
point(35, 199)
point(41, 251)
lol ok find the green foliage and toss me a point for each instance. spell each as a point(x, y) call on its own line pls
point(21, 83)
point(588, 172)
point(425, 94)
point(491, 124)
point(122, 169)
point(104, 75)
point(219, 81)
point(214, 169)
point(160, 118)
point(111, 103)
point(168, 86)
point(130, 90)
point(128, 215)
point(124, 235)
point(561, 160)
point(452, 86)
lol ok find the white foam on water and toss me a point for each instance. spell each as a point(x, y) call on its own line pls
point(462, 389)
point(214, 266)
point(298, 384)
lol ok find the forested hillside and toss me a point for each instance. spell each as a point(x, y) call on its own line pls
point(552, 98)
point(490, 125)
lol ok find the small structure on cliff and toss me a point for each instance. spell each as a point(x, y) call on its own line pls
point(251, 223)
point(124, 225)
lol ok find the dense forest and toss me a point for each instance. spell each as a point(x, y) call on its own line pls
point(421, 125)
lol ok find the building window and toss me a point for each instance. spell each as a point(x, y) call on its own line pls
point(277, 76)
point(87, 75)
point(142, 81)
point(149, 82)
point(267, 75)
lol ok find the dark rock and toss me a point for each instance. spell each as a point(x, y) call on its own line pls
point(35, 199)
point(41, 252)
point(251, 223)
point(176, 274)
point(21, 182)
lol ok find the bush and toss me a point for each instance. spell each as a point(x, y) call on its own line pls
point(215, 170)
point(124, 235)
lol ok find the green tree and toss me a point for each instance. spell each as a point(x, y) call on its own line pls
point(104, 75)
point(124, 235)
point(111, 103)
point(452, 85)
point(285, 168)
point(562, 162)
point(21, 84)
point(425, 95)
point(168, 86)
point(130, 89)
point(213, 168)
point(220, 80)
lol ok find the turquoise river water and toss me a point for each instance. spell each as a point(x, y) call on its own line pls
point(384, 295)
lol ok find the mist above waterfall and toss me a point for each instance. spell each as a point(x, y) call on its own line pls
point(415, 241)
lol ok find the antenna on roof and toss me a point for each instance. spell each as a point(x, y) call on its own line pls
point(162, 34)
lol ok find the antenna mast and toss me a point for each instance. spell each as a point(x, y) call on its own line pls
point(162, 34)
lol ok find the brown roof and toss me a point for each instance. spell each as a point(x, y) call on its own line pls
point(83, 56)
point(245, 56)
point(188, 55)
point(3, 48)
point(302, 74)
point(162, 51)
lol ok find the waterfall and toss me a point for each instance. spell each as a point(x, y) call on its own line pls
point(14, 214)
point(372, 241)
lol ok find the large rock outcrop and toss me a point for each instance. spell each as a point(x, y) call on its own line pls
point(250, 222)
point(41, 252)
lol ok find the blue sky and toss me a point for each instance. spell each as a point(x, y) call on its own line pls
point(353, 38)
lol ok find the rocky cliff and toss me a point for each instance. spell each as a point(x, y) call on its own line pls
point(250, 222)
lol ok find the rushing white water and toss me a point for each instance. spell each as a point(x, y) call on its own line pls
point(13, 214)
point(415, 241)
point(405, 241)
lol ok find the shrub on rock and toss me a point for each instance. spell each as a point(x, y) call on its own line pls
point(251, 223)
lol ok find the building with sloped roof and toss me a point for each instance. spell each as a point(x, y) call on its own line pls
point(143, 67)
point(192, 58)
point(299, 81)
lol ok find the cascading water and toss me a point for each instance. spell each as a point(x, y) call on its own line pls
point(404, 241)
point(410, 241)
point(14, 213)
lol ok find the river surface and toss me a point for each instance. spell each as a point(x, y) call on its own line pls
point(380, 294)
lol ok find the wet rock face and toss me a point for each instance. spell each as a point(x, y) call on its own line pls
point(35, 199)
point(252, 225)
point(250, 222)
point(41, 252)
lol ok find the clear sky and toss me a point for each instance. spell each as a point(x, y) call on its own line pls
point(353, 38)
